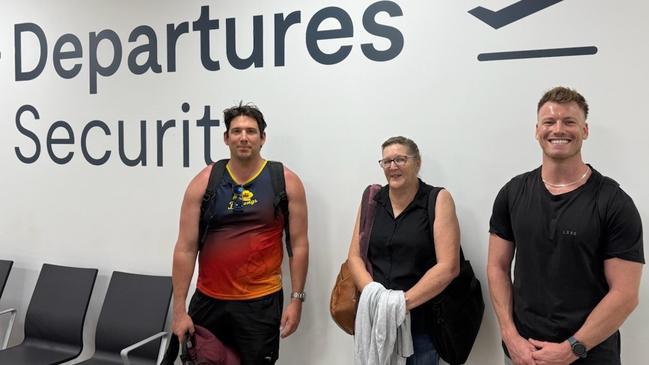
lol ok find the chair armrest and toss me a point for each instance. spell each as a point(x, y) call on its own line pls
point(10, 310)
point(125, 351)
point(5, 339)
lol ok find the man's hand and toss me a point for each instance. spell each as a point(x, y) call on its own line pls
point(520, 350)
point(551, 353)
point(291, 318)
point(182, 324)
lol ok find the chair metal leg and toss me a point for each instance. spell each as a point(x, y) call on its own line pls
point(5, 339)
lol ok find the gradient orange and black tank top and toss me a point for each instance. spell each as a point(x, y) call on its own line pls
point(242, 256)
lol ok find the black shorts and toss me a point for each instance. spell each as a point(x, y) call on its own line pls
point(250, 327)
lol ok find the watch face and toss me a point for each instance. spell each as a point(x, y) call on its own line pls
point(579, 349)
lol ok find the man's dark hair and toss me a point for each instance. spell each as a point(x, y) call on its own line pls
point(247, 110)
point(564, 95)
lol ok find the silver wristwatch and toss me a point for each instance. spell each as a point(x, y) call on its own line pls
point(301, 296)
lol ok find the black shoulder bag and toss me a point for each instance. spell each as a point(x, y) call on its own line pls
point(457, 310)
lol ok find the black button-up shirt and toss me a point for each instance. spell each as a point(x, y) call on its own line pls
point(402, 249)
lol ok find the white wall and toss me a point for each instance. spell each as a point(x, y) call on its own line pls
point(472, 120)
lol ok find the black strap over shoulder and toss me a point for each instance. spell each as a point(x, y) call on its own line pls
point(432, 201)
point(216, 175)
point(280, 201)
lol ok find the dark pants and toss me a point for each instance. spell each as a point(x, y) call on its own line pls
point(425, 353)
point(250, 327)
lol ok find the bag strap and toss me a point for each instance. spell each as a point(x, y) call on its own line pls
point(216, 175)
point(432, 201)
point(280, 202)
point(368, 211)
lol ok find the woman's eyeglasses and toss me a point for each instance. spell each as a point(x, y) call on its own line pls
point(399, 161)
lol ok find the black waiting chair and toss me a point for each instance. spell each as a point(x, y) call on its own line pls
point(132, 320)
point(5, 268)
point(54, 318)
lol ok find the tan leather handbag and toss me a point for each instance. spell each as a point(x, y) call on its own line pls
point(344, 299)
point(344, 295)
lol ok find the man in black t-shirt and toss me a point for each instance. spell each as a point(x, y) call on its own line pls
point(576, 238)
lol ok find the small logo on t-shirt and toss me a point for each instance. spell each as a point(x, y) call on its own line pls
point(567, 232)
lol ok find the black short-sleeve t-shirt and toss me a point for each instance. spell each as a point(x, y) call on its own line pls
point(561, 243)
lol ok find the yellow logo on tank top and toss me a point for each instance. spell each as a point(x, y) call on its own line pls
point(247, 195)
point(238, 201)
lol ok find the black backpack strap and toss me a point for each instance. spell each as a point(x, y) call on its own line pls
point(432, 201)
point(216, 175)
point(280, 201)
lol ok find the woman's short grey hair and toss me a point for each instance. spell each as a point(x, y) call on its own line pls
point(409, 143)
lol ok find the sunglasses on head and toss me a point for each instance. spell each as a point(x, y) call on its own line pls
point(237, 199)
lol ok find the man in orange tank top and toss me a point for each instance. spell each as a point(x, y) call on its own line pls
point(239, 290)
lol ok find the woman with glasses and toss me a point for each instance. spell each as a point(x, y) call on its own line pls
point(406, 250)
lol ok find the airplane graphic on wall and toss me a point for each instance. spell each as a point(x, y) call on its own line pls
point(515, 12)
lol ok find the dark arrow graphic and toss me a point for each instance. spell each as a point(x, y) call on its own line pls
point(512, 13)
point(518, 11)
point(538, 53)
